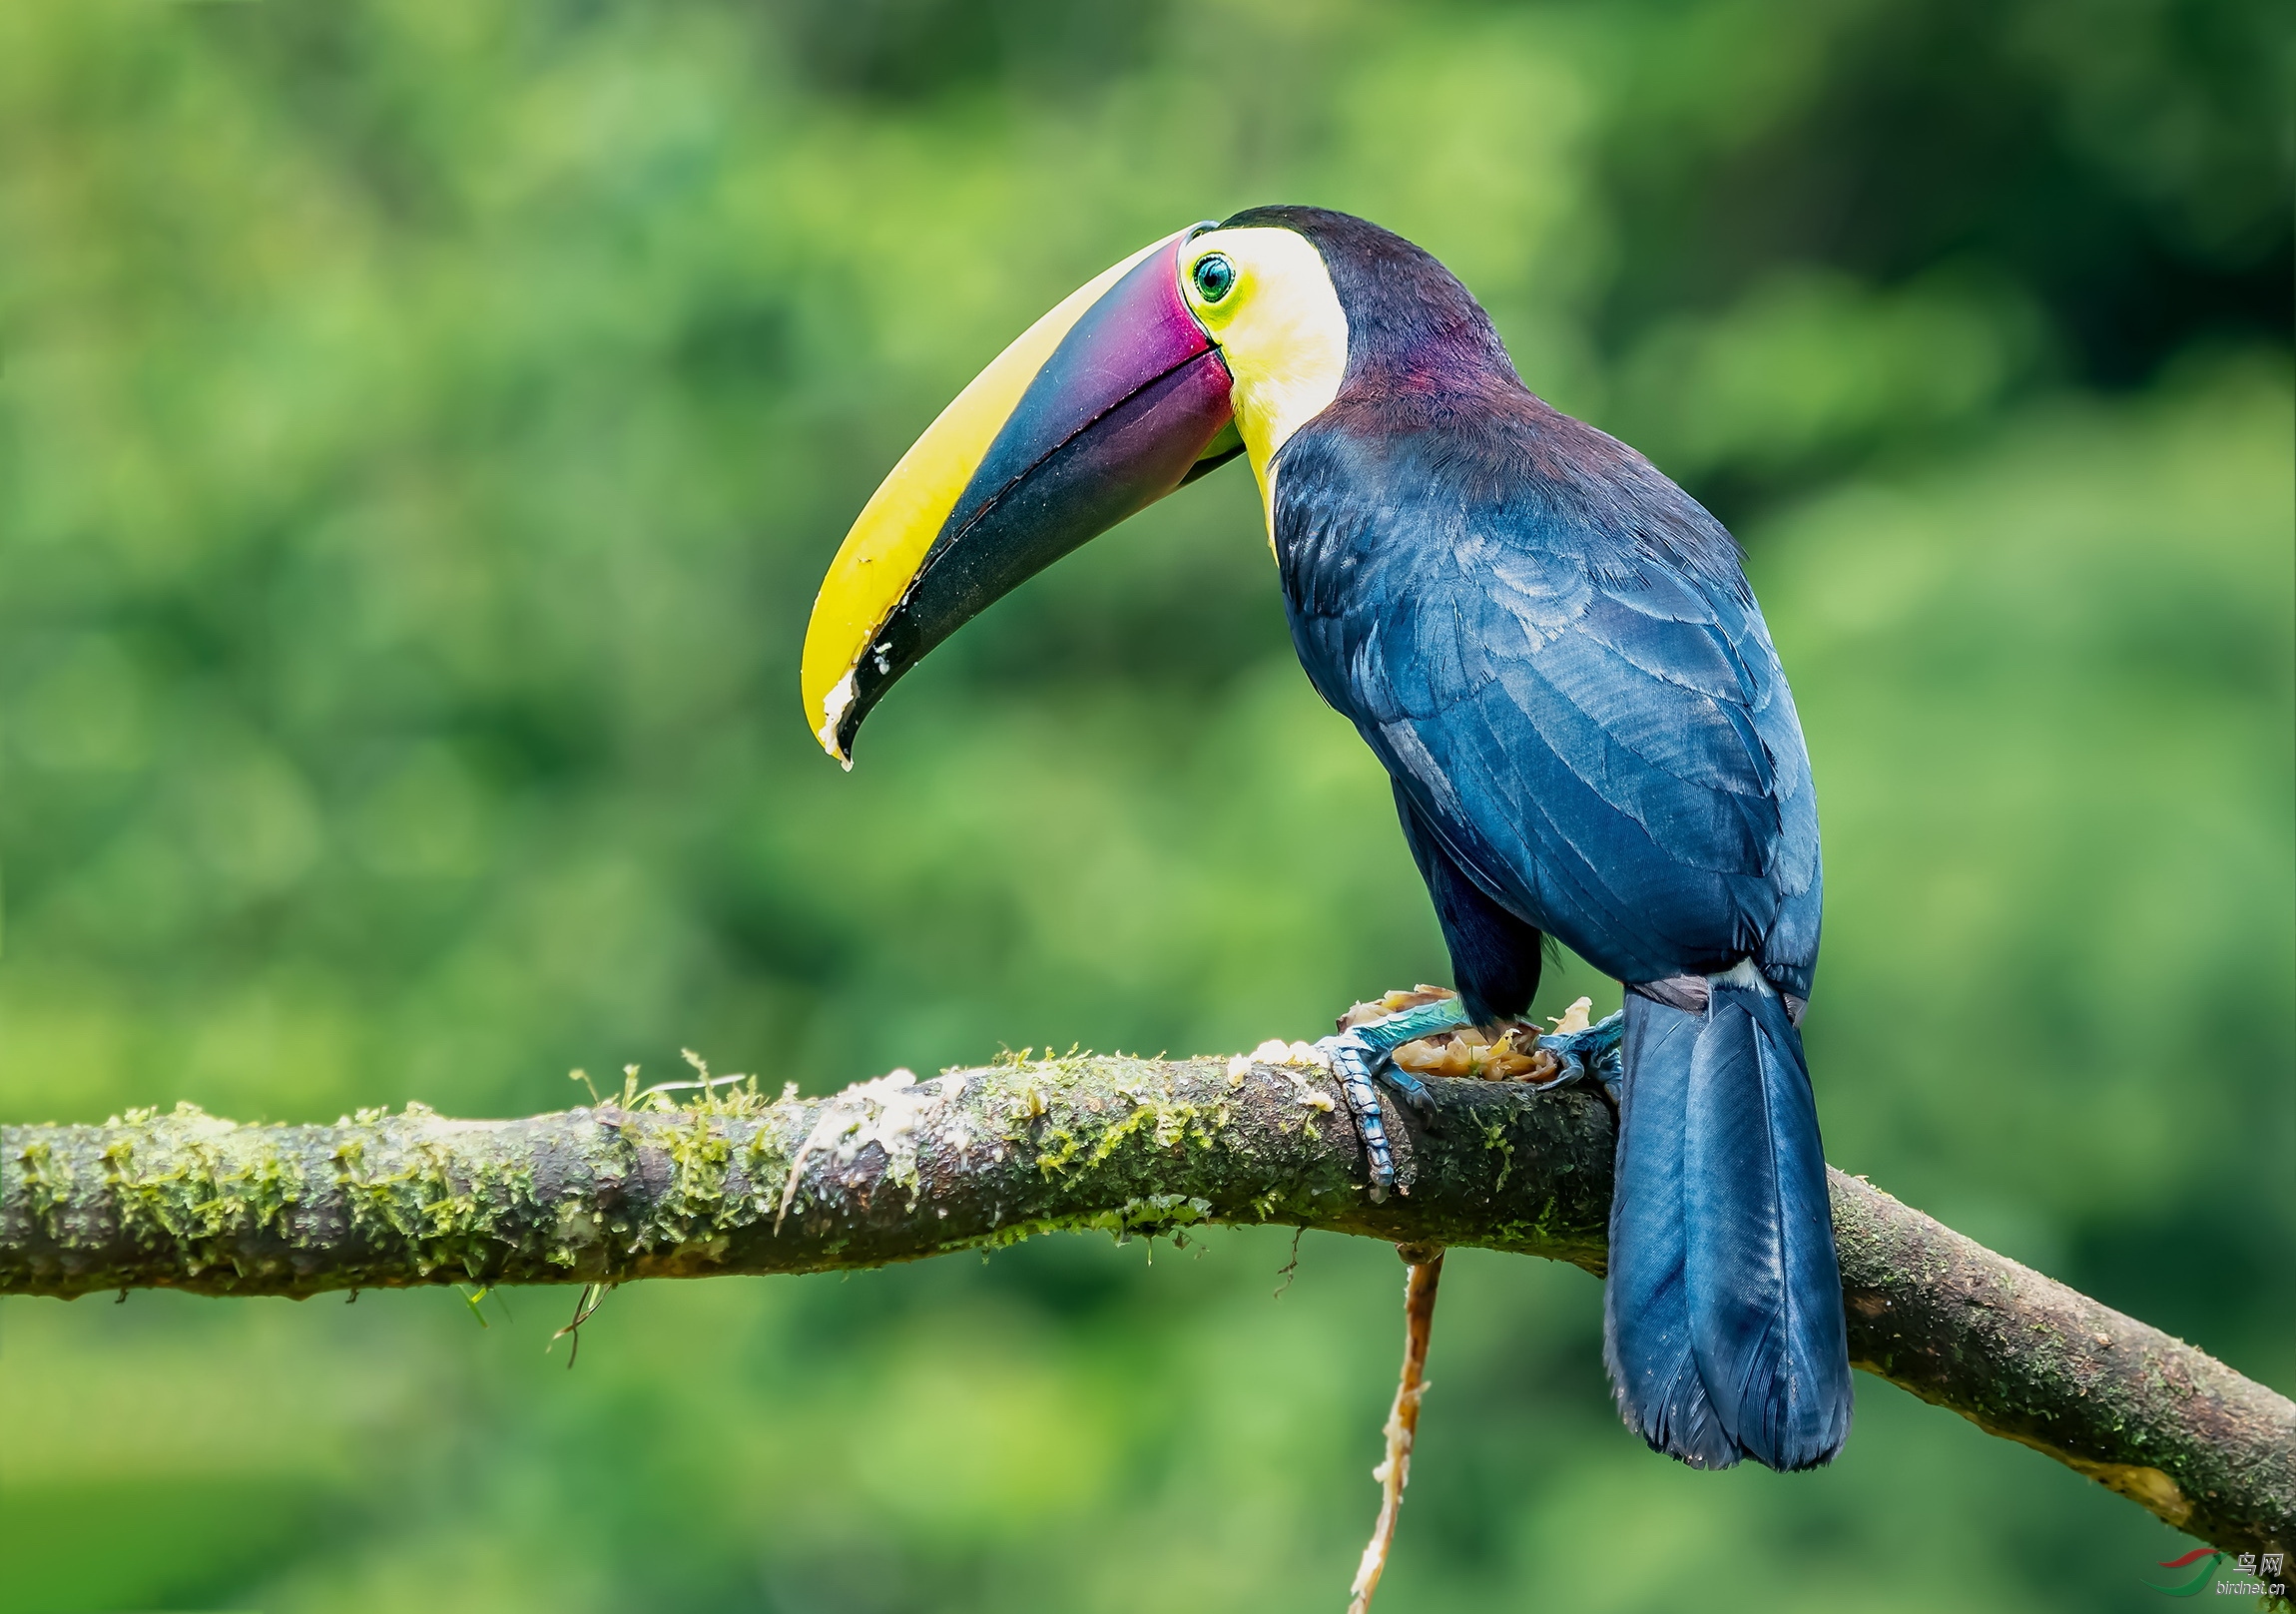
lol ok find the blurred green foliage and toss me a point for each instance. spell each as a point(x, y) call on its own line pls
point(423, 424)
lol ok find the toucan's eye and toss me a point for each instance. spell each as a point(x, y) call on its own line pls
point(1214, 277)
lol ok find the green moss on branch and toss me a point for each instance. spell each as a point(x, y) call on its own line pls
point(888, 1171)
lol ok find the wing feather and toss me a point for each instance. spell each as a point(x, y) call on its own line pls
point(1597, 730)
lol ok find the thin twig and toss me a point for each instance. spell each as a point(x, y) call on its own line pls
point(1290, 1269)
point(1395, 1471)
point(593, 1297)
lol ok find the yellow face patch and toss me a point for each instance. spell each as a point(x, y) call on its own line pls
point(1270, 304)
point(888, 543)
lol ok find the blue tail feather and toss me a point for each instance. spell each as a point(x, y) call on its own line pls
point(1646, 1341)
point(1723, 1311)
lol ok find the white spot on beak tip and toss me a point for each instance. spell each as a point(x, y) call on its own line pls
point(833, 707)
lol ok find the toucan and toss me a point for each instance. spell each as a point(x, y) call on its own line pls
point(1554, 653)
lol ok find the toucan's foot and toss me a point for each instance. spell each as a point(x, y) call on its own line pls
point(1364, 1052)
point(1425, 1035)
point(1428, 1036)
point(1583, 1052)
point(1352, 1060)
point(1398, 1039)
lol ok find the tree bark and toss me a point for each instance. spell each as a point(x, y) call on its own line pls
point(897, 1170)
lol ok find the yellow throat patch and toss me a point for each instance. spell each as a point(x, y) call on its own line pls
point(1280, 331)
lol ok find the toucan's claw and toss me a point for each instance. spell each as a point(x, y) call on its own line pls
point(1414, 1093)
point(1364, 1052)
point(1352, 1060)
point(1591, 1053)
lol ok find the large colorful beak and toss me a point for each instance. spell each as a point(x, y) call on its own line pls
point(1103, 407)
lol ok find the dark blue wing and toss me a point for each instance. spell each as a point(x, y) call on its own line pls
point(1565, 673)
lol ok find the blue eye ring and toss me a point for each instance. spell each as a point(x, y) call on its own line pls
point(1215, 277)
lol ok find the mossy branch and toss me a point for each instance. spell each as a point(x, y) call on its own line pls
point(897, 1170)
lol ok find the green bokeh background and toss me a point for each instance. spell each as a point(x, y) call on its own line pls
point(423, 424)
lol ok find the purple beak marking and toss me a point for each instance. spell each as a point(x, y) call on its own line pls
point(1133, 402)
